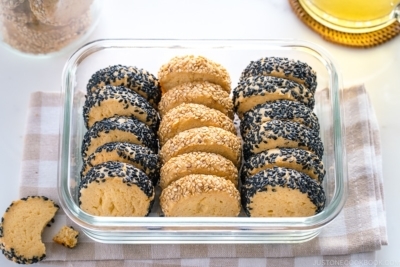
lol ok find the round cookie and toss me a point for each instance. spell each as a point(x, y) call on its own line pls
point(295, 70)
point(191, 68)
point(204, 93)
point(118, 129)
point(116, 189)
point(282, 192)
point(10, 4)
point(21, 229)
point(139, 156)
point(197, 163)
point(139, 80)
point(188, 116)
point(199, 195)
point(109, 101)
point(294, 158)
point(280, 134)
point(203, 139)
point(256, 90)
point(279, 110)
point(59, 13)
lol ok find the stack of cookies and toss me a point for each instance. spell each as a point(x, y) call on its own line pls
point(43, 26)
point(282, 150)
point(120, 148)
point(200, 150)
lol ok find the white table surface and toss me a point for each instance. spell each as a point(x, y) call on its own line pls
point(378, 68)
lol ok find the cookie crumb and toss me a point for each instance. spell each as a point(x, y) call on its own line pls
point(67, 236)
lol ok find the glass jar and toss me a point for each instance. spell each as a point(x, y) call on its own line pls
point(47, 27)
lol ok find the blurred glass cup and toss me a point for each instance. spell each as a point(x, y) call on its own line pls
point(47, 27)
point(354, 16)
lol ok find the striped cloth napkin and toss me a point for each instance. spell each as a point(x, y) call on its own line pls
point(354, 236)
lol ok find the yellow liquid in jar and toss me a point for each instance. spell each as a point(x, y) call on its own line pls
point(357, 10)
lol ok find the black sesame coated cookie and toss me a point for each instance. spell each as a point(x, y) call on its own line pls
point(139, 80)
point(109, 101)
point(291, 69)
point(256, 90)
point(21, 228)
point(280, 134)
point(139, 156)
point(118, 129)
point(294, 158)
point(116, 189)
point(279, 110)
point(282, 192)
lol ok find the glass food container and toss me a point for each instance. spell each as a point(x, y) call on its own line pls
point(234, 55)
point(47, 27)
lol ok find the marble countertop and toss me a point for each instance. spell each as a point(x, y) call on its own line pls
point(378, 68)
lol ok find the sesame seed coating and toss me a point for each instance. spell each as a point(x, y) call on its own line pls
point(203, 139)
point(187, 116)
point(191, 68)
point(21, 228)
point(200, 195)
point(270, 181)
point(256, 90)
point(108, 187)
point(139, 156)
point(294, 158)
point(279, 110)
point(118, 129)
point(139, 80)
point(279, 134)
point(204, 93)
point(197, 163)
point(291, 69)
point(109, 101)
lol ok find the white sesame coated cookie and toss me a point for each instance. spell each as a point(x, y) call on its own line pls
point(192, 68)
point(200, 195)
point(188, 116)
point(197, 163)
point(204, 93)
point(203, 139)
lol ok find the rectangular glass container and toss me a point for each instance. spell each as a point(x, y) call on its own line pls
point(234, 55)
